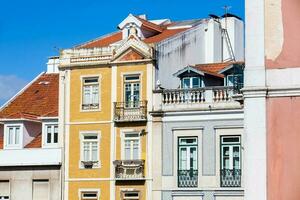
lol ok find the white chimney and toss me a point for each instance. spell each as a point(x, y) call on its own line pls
point(52, 65)
point(235, 30)
point(143, 16)
point(213, 42)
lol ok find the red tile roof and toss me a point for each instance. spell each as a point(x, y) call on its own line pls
point(103, 41)
point(150, 25)
point(164, 35)
point(37, 100)
point(214, 68)
point(36, 142)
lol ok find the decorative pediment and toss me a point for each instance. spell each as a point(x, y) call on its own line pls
point(132, 49)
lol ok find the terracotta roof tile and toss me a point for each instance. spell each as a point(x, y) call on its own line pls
point(36, 142)
point(39, 99)
point(103, 41)
point(150, 25)
point(164, 35)
point(214, 68)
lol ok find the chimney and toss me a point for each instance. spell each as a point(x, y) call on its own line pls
point(143, 16)
point(52, 65)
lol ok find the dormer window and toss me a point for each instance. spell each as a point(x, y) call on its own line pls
point(235, 80)
point(13, 136)
point(51, 134)
point(190, 82)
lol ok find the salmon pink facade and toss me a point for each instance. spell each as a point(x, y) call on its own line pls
point(272, 100)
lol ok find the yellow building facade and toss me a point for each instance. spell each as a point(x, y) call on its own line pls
point(106, 94)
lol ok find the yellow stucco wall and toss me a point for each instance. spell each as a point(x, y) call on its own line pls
point(76, 114)
point(131, 69)
point(75, 187)
point(103, 125)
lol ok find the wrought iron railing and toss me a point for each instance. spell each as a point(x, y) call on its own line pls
point(130, 111)
point(129, 169)
point(230, 177)
point(188, 178)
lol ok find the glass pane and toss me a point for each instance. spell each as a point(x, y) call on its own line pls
point(236, 157)
point(127, 150)
point(193, 158)
point(226, 163)
point(94, 151)
point(182, 158)
point(86, 95)
point(230, 80)
point(55, 134)
point(86, 151)
point(17, 136)
point(186, 83)
point(49, 130)
point(135, 149)
point(196, 82)
point(231, 139)
point(10, 135)
point(95, 94)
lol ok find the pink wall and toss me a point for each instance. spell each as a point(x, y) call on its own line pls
point(283, 134)
point(290, 53)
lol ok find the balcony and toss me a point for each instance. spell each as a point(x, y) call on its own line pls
point(187, 178)
point(30, 157)
point(230, 177)
point(206, 98)
point(129, 169)
point(130, 111)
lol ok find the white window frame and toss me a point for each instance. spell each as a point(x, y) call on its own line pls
point(90, 133)
point(8, 189)
point(123, 138)
point(191, 82)
point(81, 191)
point(124, 192)
point(83, 78)
point(6, 135)
point(132, 82)
point(44, 135)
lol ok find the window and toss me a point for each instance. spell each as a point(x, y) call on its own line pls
point(131, 195)
point(90, 93)
point(4, 190)
point(132, 91)
point(191, 82)
point(234, 80)
point(230, 172)
point(187, 162)
point(230, 152)
point(89, 195)
point(131, 146)
point(13, 136)
point(40, 190)
point(90, 149)
point(51, 134)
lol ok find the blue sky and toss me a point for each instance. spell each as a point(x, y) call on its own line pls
point(33, 30)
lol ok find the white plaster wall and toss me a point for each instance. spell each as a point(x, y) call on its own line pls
point(21, 182)
point(176, 53)
point(235, 30)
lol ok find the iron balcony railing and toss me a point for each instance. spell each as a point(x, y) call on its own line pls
point(129, 169)
point(130, 111)
point(230, 177)
point(188, 178)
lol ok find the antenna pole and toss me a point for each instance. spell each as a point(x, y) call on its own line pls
point(226, 9)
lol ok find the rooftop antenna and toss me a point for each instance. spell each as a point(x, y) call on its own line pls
point(226, 9)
